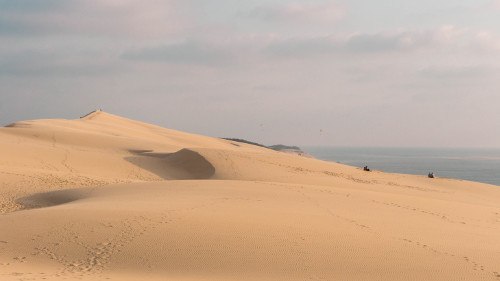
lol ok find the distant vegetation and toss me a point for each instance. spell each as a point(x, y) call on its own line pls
point(280, 147)
point(277, 147)
point(245, 141)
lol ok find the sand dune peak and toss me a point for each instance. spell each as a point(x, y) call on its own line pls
point(104, 197)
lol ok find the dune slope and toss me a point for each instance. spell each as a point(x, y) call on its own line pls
point(108, 198)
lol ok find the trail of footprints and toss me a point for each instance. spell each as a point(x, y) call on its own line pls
point(415, 209)
point(98, 256)
point(327, 210)
point(64, 162)
point(425, 246)
point(439, 252)
point(497, 216)
point(351, 178)
point(475, 265)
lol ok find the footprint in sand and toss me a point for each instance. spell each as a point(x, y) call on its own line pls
point(20, 259)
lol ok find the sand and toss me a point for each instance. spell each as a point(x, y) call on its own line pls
point(108, 198)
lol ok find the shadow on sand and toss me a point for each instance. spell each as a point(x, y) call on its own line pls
point(53, 198)
point(184, 164)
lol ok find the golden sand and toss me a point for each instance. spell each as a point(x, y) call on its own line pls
point(108, 198)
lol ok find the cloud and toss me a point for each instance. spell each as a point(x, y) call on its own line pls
point(55, 63)
point(462, 72)
point(495, 4)
point(485, 10)
point(303, 48)
point(487, 40)
point(191, 52)
point(90, 17)
point(403, 40)
point(323, 12)
point(369, 43)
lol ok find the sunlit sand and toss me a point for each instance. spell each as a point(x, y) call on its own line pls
point(108, 198)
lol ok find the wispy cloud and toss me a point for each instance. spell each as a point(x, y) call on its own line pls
point(458, 72)
point(191, 52)
point(91, 17)
point(44, 63)
point(374, 43)
point(323, 12)
point(487, 40)
point(495, 4)
point(331, 59)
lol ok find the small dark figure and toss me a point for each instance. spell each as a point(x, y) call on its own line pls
point(365, 168)
point(431, 175)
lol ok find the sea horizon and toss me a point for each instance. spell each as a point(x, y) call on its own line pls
point(472, 164)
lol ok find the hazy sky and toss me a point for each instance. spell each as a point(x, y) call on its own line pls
point(369, 73)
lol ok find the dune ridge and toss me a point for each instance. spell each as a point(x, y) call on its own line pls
point(103, 197)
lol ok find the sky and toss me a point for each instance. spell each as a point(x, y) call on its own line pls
point(330, 73)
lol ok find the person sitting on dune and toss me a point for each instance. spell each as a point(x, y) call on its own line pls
point(365, 168)
point(431, 175)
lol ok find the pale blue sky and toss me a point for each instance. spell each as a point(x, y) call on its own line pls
point(368, 73)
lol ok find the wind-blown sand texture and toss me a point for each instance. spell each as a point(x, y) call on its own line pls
point(108, 198)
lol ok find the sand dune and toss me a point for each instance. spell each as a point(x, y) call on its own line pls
point(108, 198)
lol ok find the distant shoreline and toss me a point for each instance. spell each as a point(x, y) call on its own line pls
point(295, 150)
point(478, 165)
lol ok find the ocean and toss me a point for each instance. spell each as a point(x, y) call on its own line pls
point(480, 165)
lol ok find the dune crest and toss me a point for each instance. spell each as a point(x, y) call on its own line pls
point(181, 165)
point(104, 197)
